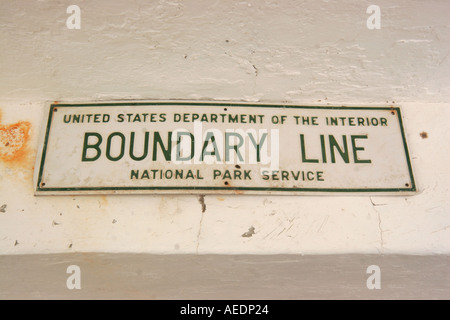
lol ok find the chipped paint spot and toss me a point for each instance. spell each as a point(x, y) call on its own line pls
point(423, 135)
point(201, 200)
point(249, 233)
point(3, 208)
point(13, 141)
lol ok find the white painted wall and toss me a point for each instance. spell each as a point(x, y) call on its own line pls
point(305, 52)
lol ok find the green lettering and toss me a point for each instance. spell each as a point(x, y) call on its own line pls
point(158, 141)
point(228, 147)
point(334, 145)
point(356, 149)
point(179, 134)
point(210, 136)
point(258, 145)
point(144, 155)
point(95, 146)
point(122, 146)
point(302, 145)
point(134, 174)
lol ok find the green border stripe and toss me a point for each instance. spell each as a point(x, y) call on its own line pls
point(405, 146)
point(44, 149)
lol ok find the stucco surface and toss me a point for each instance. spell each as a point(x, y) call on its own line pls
point(302, 52)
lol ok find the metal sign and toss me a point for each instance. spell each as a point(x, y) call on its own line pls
point(193, 147)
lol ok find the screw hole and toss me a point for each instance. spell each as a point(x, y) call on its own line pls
point(43, 184)
point(56, 109)
point(237, 166)
point(393, 112)
point(225, 109)
point(406, 184)
point(226, 183)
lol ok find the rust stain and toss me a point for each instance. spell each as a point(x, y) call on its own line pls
point(423, 135)
point(392, 110)
point(103, 202)
point(236, 191)
point(13, 142)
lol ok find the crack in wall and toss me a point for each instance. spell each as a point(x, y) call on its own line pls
point(199, 232)
point(374, 205)
point(381, 231)
point(256, 71)
point(201, 200)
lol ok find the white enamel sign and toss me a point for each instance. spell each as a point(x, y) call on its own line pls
point(193, 147)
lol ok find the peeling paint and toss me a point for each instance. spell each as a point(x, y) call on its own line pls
point(201, 200)
point(3, 208)
point(249, 233)
point(424, 135)
point(13, 142)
